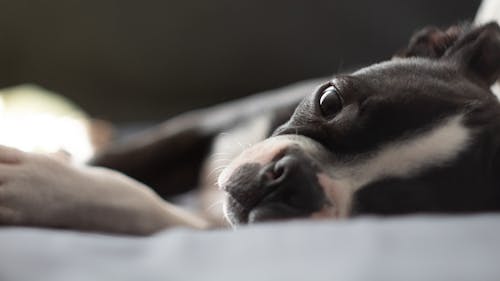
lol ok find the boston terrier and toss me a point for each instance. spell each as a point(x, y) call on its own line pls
point(419, 133)
point(415, 134)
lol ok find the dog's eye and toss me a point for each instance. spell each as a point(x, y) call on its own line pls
point(330, 102)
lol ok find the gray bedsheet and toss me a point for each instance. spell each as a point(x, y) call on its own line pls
point(405, 248)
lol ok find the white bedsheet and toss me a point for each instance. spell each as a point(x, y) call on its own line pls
point(405, 248)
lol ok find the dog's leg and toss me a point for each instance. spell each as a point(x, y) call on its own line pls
point(42, 190)
point(166, 157)
point(169, 157)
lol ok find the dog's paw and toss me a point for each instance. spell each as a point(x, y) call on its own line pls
point(10, 161)
point(29, 189)
point(49, 191)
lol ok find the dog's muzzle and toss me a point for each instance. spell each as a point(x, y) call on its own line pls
point(272, 181)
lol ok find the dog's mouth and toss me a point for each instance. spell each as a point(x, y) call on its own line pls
point(262, 212)
point(275, 180)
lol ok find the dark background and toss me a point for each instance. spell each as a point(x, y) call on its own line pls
point(125, 60)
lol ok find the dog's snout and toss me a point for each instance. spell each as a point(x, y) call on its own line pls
point(283, 188)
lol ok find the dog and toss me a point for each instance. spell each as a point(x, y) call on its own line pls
point(419, 133)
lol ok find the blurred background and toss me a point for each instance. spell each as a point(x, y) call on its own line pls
point(132, 61)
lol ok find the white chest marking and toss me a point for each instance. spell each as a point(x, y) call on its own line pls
point(407, 157)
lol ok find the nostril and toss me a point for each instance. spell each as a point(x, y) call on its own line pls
point(278, 170)
point(273, 173)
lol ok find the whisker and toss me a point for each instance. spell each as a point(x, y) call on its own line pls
point(234, 138)
point(221, 159)
point(240, 144)
point(216, 170)
point(219, 154)
point(215, 204)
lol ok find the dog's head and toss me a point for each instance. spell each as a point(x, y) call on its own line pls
point(416, 133)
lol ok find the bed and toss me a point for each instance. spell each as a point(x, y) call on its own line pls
point(406, 248)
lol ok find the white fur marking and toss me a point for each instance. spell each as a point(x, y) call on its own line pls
point(227, 146)
point(405, 158)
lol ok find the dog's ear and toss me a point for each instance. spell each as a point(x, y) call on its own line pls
point(478, 53)
point(495, 167)
point(432, 42)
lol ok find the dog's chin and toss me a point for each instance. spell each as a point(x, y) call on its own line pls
point(274, 212)
point(264, 212)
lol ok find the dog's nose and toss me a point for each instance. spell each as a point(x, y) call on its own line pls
point(292, 181)
point(286, 187)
